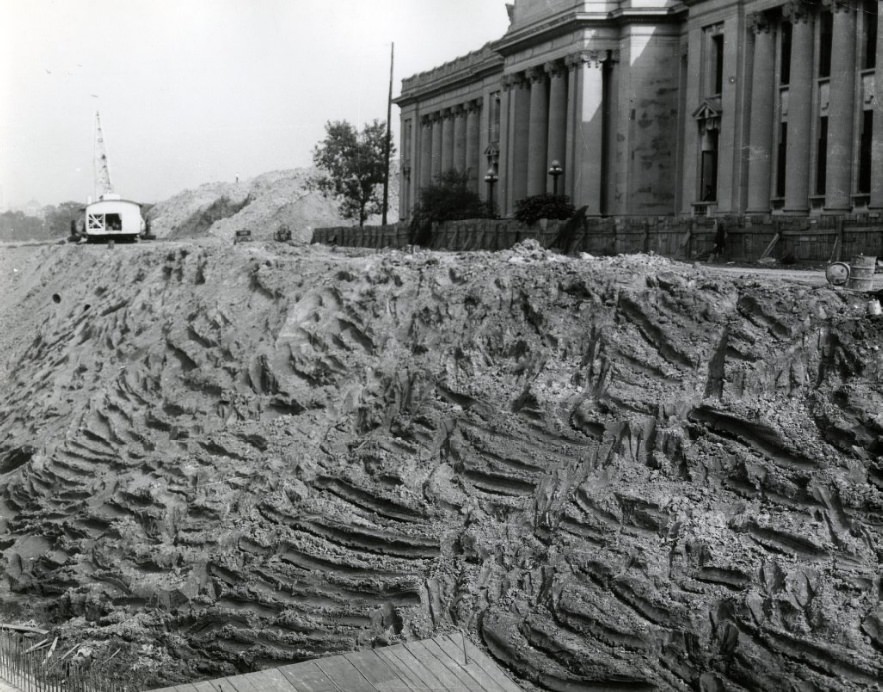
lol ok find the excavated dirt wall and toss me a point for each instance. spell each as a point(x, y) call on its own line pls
point(613, 474)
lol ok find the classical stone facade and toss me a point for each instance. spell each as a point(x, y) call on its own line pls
point(658, 107)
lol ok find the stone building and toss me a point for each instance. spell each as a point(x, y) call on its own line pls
point(660, 107)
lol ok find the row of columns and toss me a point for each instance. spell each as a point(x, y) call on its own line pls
point(449, 140)
point(556, 113)
point(801, 110)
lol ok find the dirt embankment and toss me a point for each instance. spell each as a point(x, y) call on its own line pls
point(262, 205)
point(621, 473)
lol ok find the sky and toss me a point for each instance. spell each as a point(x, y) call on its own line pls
point(196, 91)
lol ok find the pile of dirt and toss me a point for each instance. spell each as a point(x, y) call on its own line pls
point(261, 205)
point(621, 473)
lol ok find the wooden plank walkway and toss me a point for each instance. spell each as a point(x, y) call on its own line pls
point(447, 663)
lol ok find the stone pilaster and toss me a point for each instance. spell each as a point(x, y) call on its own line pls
point(838, 179)
point(556, 146)
point(589, 129)
point(425, 151)
point(797, 155)
point(537, 132)
point(760, 142)
point(459, 138)
point(473, 155)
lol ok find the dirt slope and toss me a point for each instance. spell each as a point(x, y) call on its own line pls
point(261, 205)
point(614, 474)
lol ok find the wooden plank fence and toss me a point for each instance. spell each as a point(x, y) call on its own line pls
point(32, 661)
point(801, 239)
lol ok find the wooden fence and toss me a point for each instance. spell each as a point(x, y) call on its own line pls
point(744, 238)
point(34, 662)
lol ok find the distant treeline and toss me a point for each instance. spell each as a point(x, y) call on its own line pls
point(56, 223)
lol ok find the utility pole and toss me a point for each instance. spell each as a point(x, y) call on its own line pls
point(388, 142)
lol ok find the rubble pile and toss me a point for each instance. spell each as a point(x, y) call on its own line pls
point(625, 473)
point(261, 205)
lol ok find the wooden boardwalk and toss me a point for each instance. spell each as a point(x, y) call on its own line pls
point(447, 663)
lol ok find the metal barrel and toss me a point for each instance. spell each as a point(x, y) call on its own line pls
point(861, 273)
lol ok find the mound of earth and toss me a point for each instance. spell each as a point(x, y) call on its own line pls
point(620, 473)
point(262, 205)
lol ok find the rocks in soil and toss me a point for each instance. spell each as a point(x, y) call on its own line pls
point(623, 473)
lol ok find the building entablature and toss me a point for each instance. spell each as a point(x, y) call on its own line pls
point(573, 22)
point(467, 69)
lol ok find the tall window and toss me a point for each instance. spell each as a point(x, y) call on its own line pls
point(822, 156)
point(785, 60)
point(781, 157)
point(494, 123)
point(708, 167)
point(826, 39)
point(716, 68)
point(869, 34)
point(864, 157)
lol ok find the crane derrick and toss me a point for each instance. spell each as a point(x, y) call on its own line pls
point(103, 185)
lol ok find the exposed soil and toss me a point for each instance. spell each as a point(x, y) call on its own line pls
point(262, 205)
point(620, 473)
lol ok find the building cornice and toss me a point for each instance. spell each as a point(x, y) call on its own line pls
point(528, 36)
point(463, 71)
point(490, 58)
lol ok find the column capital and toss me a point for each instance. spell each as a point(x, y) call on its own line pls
point(835, 6)
point(447, 113)
point(435, 117)
point(514, 80)
point(797, 11)
point(535, 74)
point(759, 22)
point(474, 105)
point(426, 120)
point(458, 110)
point(555, 68)
point(592, 58)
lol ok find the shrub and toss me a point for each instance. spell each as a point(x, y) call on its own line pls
point(448, 198)
point(545, 206)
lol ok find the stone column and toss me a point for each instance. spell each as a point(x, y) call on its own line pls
point(760, 142)
point(570, 139)
point(459, 138)
point(519, 99)
point(800, 108)
point(425, 151)
point(589, 131)
point(504, 184)
point(838, 178)
point(436, 144)
point(473, 153)
point(557, 142)
point(538, 132)
point(447, 147)
point(877, 139)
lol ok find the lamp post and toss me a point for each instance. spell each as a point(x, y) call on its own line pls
point(555, 170)
point(490, 178)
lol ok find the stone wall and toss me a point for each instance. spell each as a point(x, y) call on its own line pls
point(745, 238)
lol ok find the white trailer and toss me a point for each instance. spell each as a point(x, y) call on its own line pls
point(113, 217)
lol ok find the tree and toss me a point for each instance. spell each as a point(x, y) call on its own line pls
point(352, 166)
point(448, 198)
point(58, 219)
